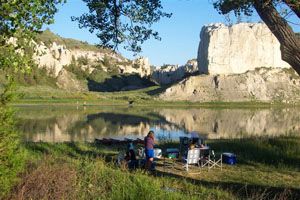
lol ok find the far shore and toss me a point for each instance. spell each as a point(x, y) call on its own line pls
point(149, 103)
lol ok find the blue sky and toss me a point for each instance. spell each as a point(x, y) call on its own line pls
point(180, 33)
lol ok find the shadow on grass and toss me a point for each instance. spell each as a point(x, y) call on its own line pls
point(276, 152)
point(244, 191)
point(158, 91)
point(70, 149)
point(120, 83)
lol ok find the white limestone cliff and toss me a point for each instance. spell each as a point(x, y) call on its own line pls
point(56, 56)
point(173, 73)
point(238, 48)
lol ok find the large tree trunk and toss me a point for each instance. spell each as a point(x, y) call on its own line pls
point(289, 43)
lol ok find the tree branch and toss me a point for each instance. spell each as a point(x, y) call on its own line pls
point(289, 43)
point(294, 6)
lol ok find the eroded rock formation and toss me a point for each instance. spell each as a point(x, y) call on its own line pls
point(173, 73)
point(56, 56)
point(238, 48)
point(262, 85)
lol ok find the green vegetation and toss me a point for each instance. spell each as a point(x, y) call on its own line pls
point(48, 37)
point(34, 76)
point(46, 95)
point(12, 156)
point(19, 20)
point(267, 168)
point(128, 23)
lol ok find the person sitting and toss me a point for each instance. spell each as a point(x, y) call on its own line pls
point(130, 157)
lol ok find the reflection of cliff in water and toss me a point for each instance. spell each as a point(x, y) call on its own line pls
point(77, 125)
point(82, 126)
point(236, 123)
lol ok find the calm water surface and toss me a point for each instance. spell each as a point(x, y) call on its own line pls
point(67, 123)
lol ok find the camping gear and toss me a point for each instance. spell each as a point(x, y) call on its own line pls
point(229, 158)
point(172, 153)
point(111, 141)
point(193, 157)
point(157, 153)
point(186, 141)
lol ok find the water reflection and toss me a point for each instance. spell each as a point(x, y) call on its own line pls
point(57, 124)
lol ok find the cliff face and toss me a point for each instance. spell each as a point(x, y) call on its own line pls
point(55, 56)
point(173, 73)
point(237, 49)
point(262, 84)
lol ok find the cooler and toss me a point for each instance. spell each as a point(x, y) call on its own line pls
point(229, 158)
point(172, 153)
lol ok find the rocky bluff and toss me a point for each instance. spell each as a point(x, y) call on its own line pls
point(56, 56)
point(238, 48)
point(79, 66)
point(238, 63)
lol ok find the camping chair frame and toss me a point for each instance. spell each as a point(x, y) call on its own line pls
point(210, 160)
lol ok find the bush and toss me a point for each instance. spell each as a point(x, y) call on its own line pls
point(12, 156)
point(77, 70)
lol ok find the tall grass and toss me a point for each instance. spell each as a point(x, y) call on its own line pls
point(91, 173)
point(91, 176)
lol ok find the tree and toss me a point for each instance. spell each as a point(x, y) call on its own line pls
point(266, 9)
point(122, 21)
point(19, 20)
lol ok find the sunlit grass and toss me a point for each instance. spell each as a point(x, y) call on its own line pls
point(266, 168)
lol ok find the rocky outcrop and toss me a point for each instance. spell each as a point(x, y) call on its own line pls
point(173, 73)
point(238, 48)
point(263, 84)
point(139, 66)
point(56, 56)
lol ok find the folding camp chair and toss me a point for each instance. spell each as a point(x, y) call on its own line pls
point(208, 159)
point(192, 158)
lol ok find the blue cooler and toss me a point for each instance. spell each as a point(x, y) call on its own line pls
point(172, 153)
point(229, 158)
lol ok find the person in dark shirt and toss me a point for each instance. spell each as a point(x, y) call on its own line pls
point(131, 157)
point(149, 149)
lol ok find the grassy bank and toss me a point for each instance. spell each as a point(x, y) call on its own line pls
point(267, 168)
point(45, 95)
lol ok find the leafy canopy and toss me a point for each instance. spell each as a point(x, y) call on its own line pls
point(20, 19)
point(18, 16)
point(246, 6)
point(125, 22)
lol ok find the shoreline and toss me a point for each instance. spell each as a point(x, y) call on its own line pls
point(156, 103)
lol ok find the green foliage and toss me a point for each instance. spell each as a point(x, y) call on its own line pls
point(246, 7)
point(83, 60)
point(19, 19)
point(12, 156)
point(128, 21)
point(35, 76)
point(99, 76)
point(26, 15)
point(76, 68)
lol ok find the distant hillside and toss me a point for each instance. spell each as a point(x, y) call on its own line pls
point(48, 37)
point(78, 66)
